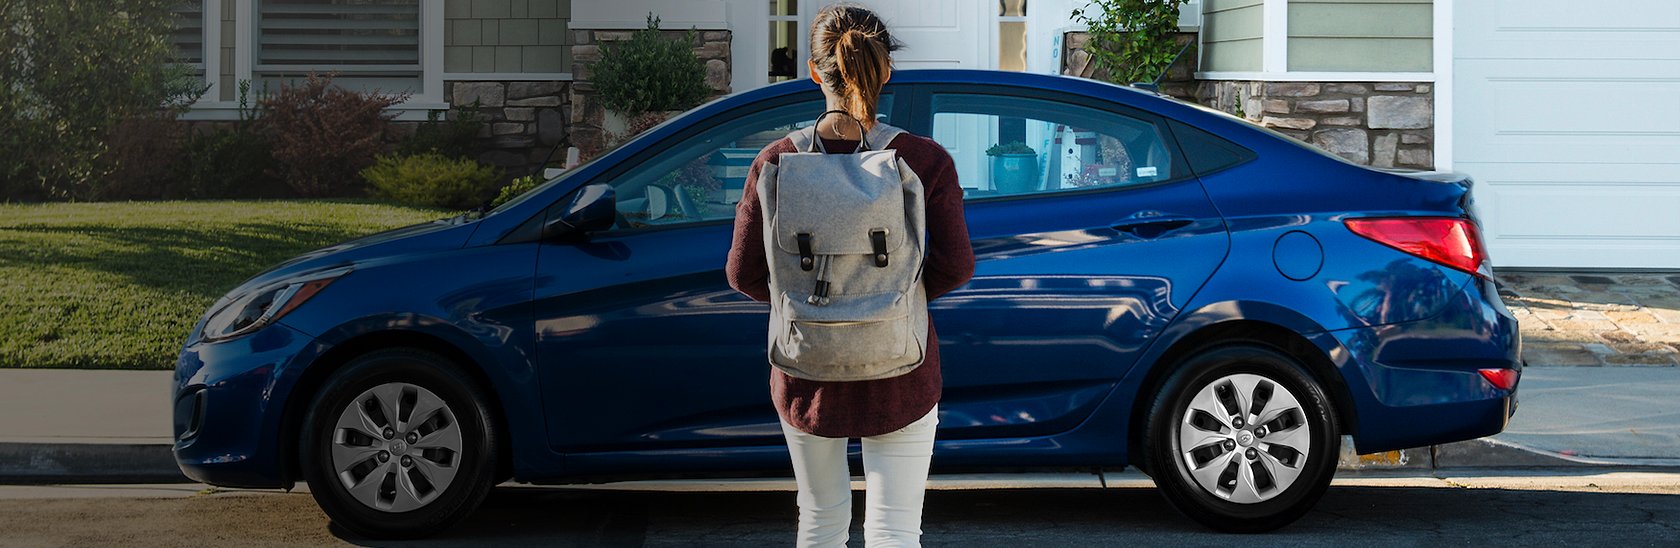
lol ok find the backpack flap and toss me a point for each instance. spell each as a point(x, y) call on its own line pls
point(871, 187)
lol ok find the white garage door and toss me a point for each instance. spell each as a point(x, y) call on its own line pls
point(1567, 113)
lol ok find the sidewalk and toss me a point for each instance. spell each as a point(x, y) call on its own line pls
point(1601, 349)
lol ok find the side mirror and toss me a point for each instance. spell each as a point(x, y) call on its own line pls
point(592, 208)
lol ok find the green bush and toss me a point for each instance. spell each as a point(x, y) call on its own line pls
point(71, 71)
point(455, 137)
point(433, 180)
point(649, 72)
point(228, 161)
point(515, 188)
point(323, 135)
point(1131, 40)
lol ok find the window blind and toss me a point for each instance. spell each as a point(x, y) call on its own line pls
point(188, 34)
point(370, 43)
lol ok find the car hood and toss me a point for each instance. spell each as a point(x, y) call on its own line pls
point(424, 237)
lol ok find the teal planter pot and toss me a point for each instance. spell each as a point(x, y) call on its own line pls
point(1015, 173)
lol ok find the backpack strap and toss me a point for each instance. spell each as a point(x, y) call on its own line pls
point(881, 135)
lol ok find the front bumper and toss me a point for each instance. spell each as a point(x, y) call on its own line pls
point(229, 398)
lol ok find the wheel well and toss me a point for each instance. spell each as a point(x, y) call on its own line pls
point(297, 405)
point(1269, 334)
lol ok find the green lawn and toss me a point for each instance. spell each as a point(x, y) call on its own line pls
point(117, 285)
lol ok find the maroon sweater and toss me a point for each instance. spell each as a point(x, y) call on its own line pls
point(863, 408)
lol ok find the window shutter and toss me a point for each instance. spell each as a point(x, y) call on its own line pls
point(188, 34)
point(374, 42)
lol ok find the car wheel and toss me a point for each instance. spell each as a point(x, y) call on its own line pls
point(398, 444)
point(1242, 439)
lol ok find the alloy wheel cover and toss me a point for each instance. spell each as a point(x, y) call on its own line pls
point(396, 447)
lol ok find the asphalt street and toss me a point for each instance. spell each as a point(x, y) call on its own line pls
point(1577, 508)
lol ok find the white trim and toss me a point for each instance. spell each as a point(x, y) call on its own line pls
point(411, 111)
point(1274, 36)
point(1443, 43)
point(212, 24)
point(1319, 76)
point(506, 76)
point(431, 51)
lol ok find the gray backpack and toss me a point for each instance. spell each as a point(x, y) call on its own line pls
point(844, 235)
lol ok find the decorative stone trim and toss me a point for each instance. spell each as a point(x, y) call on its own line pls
point(1380, 124)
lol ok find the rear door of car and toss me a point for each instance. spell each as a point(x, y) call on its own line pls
point(1087, 245)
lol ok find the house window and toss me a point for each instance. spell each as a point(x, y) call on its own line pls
point(188, 35)
point(369, 44)
point(1012, 35)
point(784, 40)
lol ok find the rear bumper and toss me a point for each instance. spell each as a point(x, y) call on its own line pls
point(1417, 383)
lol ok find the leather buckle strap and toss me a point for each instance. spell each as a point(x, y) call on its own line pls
point(878, 240)
point(807, 260)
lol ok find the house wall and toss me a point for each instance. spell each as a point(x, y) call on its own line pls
point(1381, 124)
point(1362, 35)
point(591, 126)
point(1232, 35)
point(506, 36)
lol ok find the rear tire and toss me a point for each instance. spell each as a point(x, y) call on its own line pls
point(1230, 464)
point(399, 444)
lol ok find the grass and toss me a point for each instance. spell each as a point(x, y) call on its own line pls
point(117, 285)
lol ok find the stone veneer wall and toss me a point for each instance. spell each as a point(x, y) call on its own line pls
point(522, 120)
point(591, 126)
point(1381, 124)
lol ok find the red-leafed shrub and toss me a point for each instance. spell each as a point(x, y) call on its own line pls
point(323, 136)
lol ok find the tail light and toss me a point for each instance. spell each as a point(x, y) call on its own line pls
point(1503, 379)
point(1450, 241)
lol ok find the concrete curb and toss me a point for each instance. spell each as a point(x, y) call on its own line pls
point(106, 463)
point(110, 463)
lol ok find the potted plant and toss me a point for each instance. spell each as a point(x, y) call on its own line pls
point(1014, 167)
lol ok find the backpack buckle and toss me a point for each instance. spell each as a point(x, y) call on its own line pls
point(878, 240)
point(807, 260)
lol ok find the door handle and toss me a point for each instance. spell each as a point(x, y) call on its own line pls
point(1150, 224)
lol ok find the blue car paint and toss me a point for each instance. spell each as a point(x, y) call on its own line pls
point(550, 324)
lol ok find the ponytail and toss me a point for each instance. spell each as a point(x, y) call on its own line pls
point(852, 51)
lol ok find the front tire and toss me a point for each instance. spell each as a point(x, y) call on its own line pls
point(399, 444)
point(1242, 439)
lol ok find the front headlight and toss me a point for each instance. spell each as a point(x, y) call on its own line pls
point(246, 312)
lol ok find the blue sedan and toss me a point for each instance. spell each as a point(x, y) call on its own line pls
point(1158, 285)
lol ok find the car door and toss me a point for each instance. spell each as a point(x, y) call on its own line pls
point(641, 343)
point(1090, 232)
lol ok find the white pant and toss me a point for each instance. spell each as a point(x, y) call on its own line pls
point(895, 467)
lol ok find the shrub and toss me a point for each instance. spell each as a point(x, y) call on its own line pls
point(649, 72)
point(324, 135)
point(71, 71)
point(433, 180)
point(1131, 40)
point(455, 137)
point(228, 161)
point(515, 188)
point(141, 155)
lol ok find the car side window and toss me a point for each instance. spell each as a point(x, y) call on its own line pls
point(1008, 145)
point(700, 178)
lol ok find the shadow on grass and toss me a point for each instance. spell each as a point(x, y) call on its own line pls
point(200, 261)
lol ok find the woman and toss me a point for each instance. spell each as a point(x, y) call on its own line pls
point(895, 417)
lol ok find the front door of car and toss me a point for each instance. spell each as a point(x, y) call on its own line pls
point(1090, 233)
point(641, 343)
